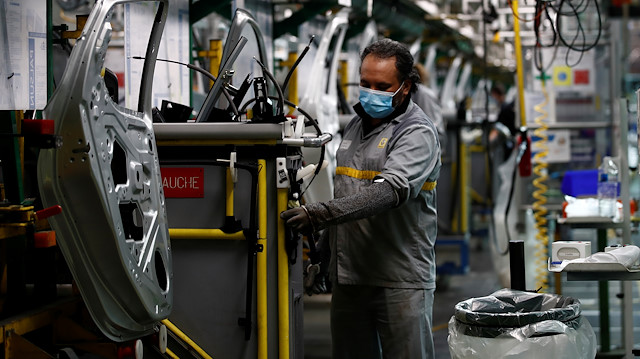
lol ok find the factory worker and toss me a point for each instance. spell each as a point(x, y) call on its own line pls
point(382, 223)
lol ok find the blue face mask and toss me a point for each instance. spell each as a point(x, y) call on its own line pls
point(377, 104)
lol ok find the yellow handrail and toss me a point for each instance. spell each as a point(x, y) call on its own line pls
point(186, 339)
point(203, 233)
point(172, 354)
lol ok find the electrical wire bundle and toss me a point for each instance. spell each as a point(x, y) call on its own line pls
point(552, 35)
point(558, 13)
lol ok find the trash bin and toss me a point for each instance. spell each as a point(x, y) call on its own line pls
point(516, 324)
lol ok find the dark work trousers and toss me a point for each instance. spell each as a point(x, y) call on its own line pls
point(374, 322)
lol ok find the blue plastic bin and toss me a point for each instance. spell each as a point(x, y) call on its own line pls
point(580, 183)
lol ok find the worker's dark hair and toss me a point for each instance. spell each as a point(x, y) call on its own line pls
point(498, 89)
point(387, 48)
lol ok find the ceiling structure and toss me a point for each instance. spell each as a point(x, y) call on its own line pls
point(457, 26)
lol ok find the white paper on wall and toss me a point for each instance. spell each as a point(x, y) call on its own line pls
point(170, 81)
point(23, 54)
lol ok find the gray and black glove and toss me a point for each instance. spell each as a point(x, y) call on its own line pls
point(298, 219)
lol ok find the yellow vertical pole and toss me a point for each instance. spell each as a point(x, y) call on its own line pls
point(293, 81)
point(292, 94)
point(262, 261)
point(464, 188)
point(519, 67)
point(214, 54)
point(215, 47)
point(283, 279)
point(460, 220)
point(343, 71)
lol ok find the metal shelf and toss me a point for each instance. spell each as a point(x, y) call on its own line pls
point(597, 271)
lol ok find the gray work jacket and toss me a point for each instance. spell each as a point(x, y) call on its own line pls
point(393, 249)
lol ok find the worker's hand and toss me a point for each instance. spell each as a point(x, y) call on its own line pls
point(315, 280)
point(298, 219)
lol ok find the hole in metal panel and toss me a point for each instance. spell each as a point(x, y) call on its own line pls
point(161, 272)
point(119, 164)
point(131, 221)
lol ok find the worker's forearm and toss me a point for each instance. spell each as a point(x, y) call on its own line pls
point(373, 200)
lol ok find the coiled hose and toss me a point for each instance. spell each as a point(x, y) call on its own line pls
point(539, 194)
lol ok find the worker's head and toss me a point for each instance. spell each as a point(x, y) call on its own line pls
point(387, 76)
point(498, 93)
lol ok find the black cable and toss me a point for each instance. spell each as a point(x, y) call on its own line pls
point(318, 169)
point(522, 148)
point(573, 44)
point(506, 211)
point(537, 50)
point(204, 72)
point(580, 28)
point(295, 64)
point(313, 121)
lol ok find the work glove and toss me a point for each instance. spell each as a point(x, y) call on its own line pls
point(314, 280)
point(298, 219)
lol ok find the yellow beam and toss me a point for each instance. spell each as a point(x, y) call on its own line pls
point(203, 233)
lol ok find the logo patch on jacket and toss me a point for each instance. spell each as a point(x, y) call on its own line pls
point(383, 142)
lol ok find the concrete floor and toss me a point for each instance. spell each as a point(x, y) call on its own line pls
point(480, 281)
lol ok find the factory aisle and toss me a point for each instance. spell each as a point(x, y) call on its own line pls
point(480, 281)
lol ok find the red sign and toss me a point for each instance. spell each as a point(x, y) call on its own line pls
point(581, 77)
point(183, 182)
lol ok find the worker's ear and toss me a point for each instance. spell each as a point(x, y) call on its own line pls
point(407, 87)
